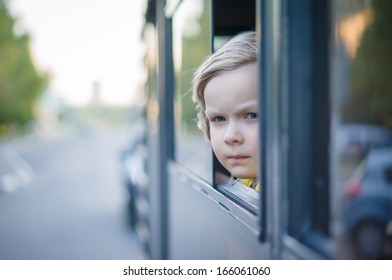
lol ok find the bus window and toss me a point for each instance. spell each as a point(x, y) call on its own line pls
point(229, 20)
point(363, 110)
point(191, 45)
point(231, 101)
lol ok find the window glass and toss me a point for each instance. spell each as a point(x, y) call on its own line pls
point(191, 45)
point(151, 96)
point(302, 124)
point(362, 88)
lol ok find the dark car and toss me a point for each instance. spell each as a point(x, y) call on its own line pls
point(368, 208)
point(357, 139)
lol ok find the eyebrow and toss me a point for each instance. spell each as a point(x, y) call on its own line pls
point(212, 112)
point(248, 105)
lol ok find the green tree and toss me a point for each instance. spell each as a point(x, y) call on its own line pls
point(20, 82)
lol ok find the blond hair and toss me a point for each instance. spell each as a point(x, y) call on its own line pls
point(239, 51)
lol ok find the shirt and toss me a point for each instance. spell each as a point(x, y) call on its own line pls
point(248, 182)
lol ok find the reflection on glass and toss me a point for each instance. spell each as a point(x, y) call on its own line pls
point(151, 98)
point(363, 96)
point(191, 33)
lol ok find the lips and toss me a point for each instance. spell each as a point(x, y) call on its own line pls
point(237, 158)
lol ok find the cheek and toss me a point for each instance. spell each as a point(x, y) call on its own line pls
point(254, 140)
point(215, 142)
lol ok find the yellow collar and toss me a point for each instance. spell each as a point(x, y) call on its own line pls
point(250, 184)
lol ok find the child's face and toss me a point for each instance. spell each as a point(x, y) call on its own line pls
point(231, 108)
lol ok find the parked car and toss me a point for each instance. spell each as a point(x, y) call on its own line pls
point(356, 140)
point(368, 205)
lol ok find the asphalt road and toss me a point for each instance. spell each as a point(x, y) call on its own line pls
point(61, 197)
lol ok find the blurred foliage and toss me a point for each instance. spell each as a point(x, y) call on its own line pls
point(371, 86)
point(20, 82)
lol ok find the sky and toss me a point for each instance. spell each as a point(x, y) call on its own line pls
point(85, 42)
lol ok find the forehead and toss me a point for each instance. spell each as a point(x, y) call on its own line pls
point(239, 85)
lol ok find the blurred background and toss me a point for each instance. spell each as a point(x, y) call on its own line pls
point(69, 78)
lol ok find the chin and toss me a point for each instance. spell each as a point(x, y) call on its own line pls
point(243, 175)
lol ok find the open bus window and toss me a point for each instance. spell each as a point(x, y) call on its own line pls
point(364, 138)
point(227, 23)
point(231, 106)
point(191, 44)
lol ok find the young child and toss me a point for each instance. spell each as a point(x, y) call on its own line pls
point(225, 88)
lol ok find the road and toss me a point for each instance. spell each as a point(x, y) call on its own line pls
point(61, 197)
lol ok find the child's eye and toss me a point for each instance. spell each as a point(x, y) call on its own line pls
point(218, 119)
point(251, 116)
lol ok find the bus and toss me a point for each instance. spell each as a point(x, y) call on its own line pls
point(325, 114)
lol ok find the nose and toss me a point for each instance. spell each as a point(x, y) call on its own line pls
point(233, 134)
